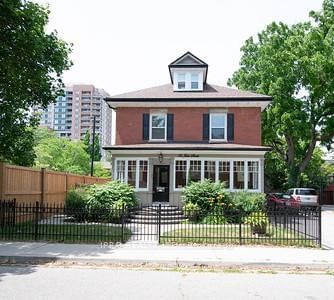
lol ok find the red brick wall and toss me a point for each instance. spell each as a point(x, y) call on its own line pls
point(188, 124)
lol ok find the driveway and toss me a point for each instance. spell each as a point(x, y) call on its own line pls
point(327, 226)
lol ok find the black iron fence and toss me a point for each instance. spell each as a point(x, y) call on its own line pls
point(166, 224)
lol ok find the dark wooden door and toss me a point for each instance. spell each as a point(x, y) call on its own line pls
point(160, 183)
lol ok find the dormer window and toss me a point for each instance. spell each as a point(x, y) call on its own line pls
point(181, 81)
point(188, 73)
point(194, 81)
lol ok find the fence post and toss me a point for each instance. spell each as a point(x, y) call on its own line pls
point(14, 212)
point(122, 222)
point(44, 186)
point(2, 180)
point(319, 225)
point(36, 220)
point(159, 223)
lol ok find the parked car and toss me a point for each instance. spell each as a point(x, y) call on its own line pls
point(282, 200)
point(306, 196)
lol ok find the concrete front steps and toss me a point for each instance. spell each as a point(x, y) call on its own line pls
point(150, 215)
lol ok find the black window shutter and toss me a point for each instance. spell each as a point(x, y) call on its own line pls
point(230, 127)
point(206, 127)
point(146, 127)
point(170, 127)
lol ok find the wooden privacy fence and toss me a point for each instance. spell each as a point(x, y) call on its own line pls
point(29, 185)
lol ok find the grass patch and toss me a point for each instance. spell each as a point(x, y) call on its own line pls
point(67, 233)
point(234, 234)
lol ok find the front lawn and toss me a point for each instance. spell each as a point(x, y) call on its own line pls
point(67, 233)
point(234, 234)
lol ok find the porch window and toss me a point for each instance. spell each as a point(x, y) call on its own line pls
point(180, 173)
point(143, 164)
point(253, 175)
point(210, 170)
point(224, 173)
point(132, 172)
point(158, 127)
point(242, 174)
point(238, 175)
point(194, 171)
point(120, 174)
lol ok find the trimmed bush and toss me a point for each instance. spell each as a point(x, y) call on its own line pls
point(248, 201)
point(207, 195)
point(111, 197)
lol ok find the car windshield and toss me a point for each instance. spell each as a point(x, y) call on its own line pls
point(309, 192)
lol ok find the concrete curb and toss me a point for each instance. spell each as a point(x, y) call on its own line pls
point(139, 263)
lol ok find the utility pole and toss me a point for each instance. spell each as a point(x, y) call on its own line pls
point(93, 152)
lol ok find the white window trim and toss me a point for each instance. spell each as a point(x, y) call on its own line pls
point(191, 81)
point(225, 127)
point(187, 80)
point(165, 135)
point(126, 159)
point(217, 160)
point(178, 81)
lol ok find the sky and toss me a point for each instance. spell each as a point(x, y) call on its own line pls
point(126, 45)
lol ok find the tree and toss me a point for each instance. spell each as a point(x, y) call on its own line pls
point(97, 147)
point(100, 171)
point(60, 154)
point(295, 65)
point(31, 65)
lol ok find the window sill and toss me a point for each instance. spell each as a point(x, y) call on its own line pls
point(157, 141)
point(213, 141)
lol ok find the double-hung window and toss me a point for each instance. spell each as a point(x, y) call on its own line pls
point(218, 126)
point(181, 81)
point(158, 127)
point(194, 81)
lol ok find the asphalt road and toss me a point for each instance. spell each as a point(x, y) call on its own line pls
point(87, 283)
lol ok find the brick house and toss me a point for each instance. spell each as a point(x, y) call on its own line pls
point(187, 130)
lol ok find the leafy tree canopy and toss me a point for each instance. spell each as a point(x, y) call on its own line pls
point(31, 64)
point(295, 65)
point(97, 146)
point(60, 154)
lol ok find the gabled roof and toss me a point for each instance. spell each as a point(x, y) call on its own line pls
point(188, 60)
point(210, 92)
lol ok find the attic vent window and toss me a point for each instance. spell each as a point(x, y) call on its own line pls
point(181, 82)
point(194, 81)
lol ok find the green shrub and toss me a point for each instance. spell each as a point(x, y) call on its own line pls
point(216, 217)
point(206, 195)
point(191, 211)
point(110, 196)
point(75, 203)
point(248, 201)
point(258, 221)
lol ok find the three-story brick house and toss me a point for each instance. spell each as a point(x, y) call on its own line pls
point(188, 130)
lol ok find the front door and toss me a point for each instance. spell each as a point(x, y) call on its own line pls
point(160, 183)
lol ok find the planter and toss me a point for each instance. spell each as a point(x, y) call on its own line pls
point(258, 229)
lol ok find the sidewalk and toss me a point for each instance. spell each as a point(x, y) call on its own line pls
point(151, 254)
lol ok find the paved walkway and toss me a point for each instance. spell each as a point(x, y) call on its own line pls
point(139, 253)
point(327, 226)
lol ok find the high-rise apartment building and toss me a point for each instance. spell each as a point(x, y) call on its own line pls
point(72, 115)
